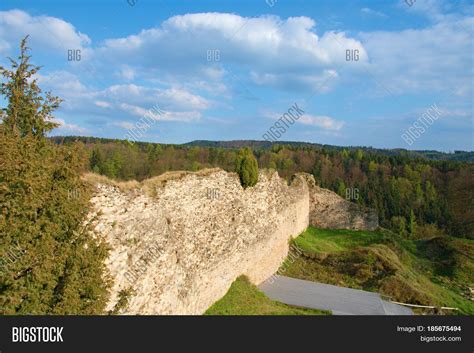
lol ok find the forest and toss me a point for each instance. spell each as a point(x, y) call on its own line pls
point(414, 195)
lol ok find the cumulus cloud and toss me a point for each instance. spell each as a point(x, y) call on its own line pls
point(69, 87)
point(432, 59)
point(273, 49)
point(65, 82)
point(45, 32)
point(171, 98)
point(130, 100)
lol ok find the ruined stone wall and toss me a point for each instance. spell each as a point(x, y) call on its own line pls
point(179, 240)
point(180, 243)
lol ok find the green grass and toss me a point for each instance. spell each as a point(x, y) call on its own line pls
point(331, 241)
point(244, 298)
point(428, 272)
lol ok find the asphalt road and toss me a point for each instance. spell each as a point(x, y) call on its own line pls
point(340, 300)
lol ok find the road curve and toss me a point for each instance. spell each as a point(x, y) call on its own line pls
point(339, 300)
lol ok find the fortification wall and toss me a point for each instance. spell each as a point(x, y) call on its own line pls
point(180, 240)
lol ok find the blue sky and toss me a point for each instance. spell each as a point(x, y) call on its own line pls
point(224, 70)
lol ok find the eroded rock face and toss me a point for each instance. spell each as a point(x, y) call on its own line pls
point(329, 210)
point(181, 249)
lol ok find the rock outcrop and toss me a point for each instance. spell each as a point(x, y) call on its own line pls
point(179, 240)
point(328, 210)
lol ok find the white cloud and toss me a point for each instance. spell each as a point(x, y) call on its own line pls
point(432, 59)
point(62, 81)
point(126, 100)
point(160, 115)
point(171, 98)
point(437, 10)
point(371, 12)
point(126, 125)
point(127, 73)
point(460, 113)
point(79, 97)
point(324, 122)
point(45, 32)
point(102, 104)
point(321, 121)
point(180, 116)
point(65, 127)
point(292, 81)
point(267, 46)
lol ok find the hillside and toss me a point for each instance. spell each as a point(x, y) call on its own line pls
point(437, 271)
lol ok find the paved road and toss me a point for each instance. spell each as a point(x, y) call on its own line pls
point(340, 300)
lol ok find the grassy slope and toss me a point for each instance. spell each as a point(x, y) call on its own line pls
point(243, 298)
point(428, 272)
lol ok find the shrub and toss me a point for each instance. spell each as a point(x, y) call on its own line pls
point(247, 167)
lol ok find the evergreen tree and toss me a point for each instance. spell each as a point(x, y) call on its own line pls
point(28, 112)
point(50, 263)
point(96, 160)
point(247, 167)
point(341, 189)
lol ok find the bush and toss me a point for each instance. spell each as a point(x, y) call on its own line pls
point(247, 167)
point(399, 225)
point(427, 231)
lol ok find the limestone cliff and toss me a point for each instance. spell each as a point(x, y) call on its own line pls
point(181, 239)
point(329, 210)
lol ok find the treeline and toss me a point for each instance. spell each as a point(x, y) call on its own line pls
point(461, 156)
point(414, 196)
